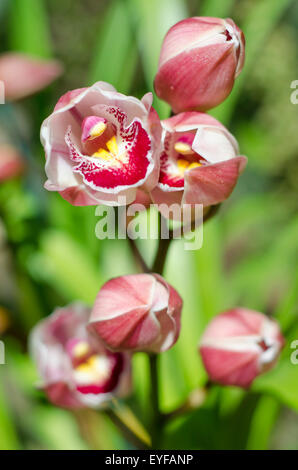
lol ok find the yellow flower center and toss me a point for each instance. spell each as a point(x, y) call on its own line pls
point(184, 165)
point(94, 370)
point(111, 152)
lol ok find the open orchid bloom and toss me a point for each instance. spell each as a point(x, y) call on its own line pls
point(139, 312)
point(76, 370)
point(199, 61)
point(240, 344)
point(24, 75)
point(101, 145)
point(200, 162)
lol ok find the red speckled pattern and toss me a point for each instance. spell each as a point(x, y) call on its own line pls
point(132, 169)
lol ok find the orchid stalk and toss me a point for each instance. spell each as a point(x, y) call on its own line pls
point(103, 147)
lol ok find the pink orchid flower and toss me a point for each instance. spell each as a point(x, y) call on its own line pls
point(199, 61)
point(139, 312)
point(24, 75)
point(101, 145)
point(240, 344)
point(76, 370)
point(199, 162)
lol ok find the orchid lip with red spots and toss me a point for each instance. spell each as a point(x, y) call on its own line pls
point(100, 145)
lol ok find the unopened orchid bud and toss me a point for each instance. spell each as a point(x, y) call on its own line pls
point(240, 344)
point(139, 312)
point(199, 61)
point(76, 370)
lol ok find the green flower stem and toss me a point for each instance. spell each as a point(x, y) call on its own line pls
point(197, 397)
point(156, 421)
point(161, 255)
point(195, 400)
point(139, 260)
point(157, 418)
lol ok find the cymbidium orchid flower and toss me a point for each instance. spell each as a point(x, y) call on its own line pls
point(200, 162)
point(101, 145)
point(240, 344)
point(139, 312)
point(199, 61)
point(76, 370)
point(24, 75)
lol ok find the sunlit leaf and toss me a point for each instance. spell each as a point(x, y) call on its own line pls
point(262, 423)
point(68, 268)
point(153, 19)
point(29, 31)
point(216, 8)
point(8, 436)
point(116, 52)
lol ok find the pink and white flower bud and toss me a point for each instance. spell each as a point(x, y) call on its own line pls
point(199, 163)
point(101, 146)
point(139, 312)
point(24, 75)
point(240, 344)
point(76, 370)
point(199, 61)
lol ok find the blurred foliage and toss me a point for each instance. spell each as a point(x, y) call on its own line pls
point(49, 254)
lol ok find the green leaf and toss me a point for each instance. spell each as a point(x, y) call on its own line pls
point(209, 273)
point(28, 301)
point(216, 8)
point(56, 428)
point(181, 370)
point(67, 266)
point(29, 29)
point(287, 311)
point(261, 243)
point(3, 6)
point(262, 423)
point(153, 19)
point(141, 383)
point(115, 55)
point(8, 436)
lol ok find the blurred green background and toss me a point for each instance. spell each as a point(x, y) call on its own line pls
point(49, 254)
